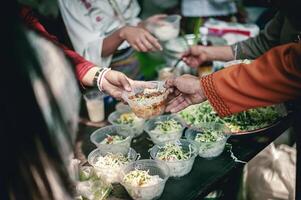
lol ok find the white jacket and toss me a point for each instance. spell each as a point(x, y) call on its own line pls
point(207, 8)
point(88, 22)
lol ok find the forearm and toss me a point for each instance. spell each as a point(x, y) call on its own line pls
point(87, 79)
point(112, 42)
point(268, 38)
point(221, 53)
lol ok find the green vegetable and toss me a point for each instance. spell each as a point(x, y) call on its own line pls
point(209, 136)
point(167, 126)
point(127, 118)
point(172, 152)
point(245, 121)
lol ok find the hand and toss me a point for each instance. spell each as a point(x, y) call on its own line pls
point(114, 83)
point(195, 56)
point(187, 91)
point(140, 39)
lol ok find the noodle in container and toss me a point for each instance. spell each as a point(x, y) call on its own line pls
point(147, 100)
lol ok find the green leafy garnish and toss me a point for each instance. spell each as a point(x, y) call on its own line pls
point(209, 136)
point(167, 126)
point(172, 152)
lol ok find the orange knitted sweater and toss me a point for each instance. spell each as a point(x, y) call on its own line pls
point(273, 78)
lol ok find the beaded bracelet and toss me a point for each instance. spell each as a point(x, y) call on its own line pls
point(96, 76)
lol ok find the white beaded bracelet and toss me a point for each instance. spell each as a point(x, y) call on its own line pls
point(101, 77)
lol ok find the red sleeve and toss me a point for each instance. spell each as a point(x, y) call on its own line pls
point(273, 78)
point(81, 64)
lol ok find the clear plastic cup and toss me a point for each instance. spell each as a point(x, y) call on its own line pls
point(153, 101)
point(95, 105)
point(178, 168)
point(109, 174)
point(209, 149)
point(136, 125)
point(122, 147)
point(160, 137)
point(166, 28)
point(154, 167)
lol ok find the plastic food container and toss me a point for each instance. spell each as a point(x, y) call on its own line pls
point(160, 136)
point(209, 149)
point(178, 168)
point(122, 147)
point(167, 28)
point(109, 174)
point(146, 192)
point(136, 126)
point(147, 102)
point(121, 107)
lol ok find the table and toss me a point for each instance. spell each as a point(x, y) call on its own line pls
point(206, 174)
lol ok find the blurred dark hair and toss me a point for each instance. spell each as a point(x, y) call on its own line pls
point(291, 9)
point(31, 161)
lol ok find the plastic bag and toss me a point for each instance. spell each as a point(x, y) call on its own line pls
point(272, 173)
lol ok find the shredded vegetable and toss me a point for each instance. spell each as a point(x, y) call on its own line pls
point(172, 152)
point(167, 126)
point(141, 178)
point(245, 121)
point(111, 160)
point(113, 139)
point(209, 136)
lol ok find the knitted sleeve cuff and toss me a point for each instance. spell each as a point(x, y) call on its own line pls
point(210, 91)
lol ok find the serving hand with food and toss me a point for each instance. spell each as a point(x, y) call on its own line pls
point(187, 91)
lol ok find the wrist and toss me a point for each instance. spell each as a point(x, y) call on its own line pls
point(141, 25)
point(206, 55)
point(200, 91)
point(87, 79)
point(122, 32)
